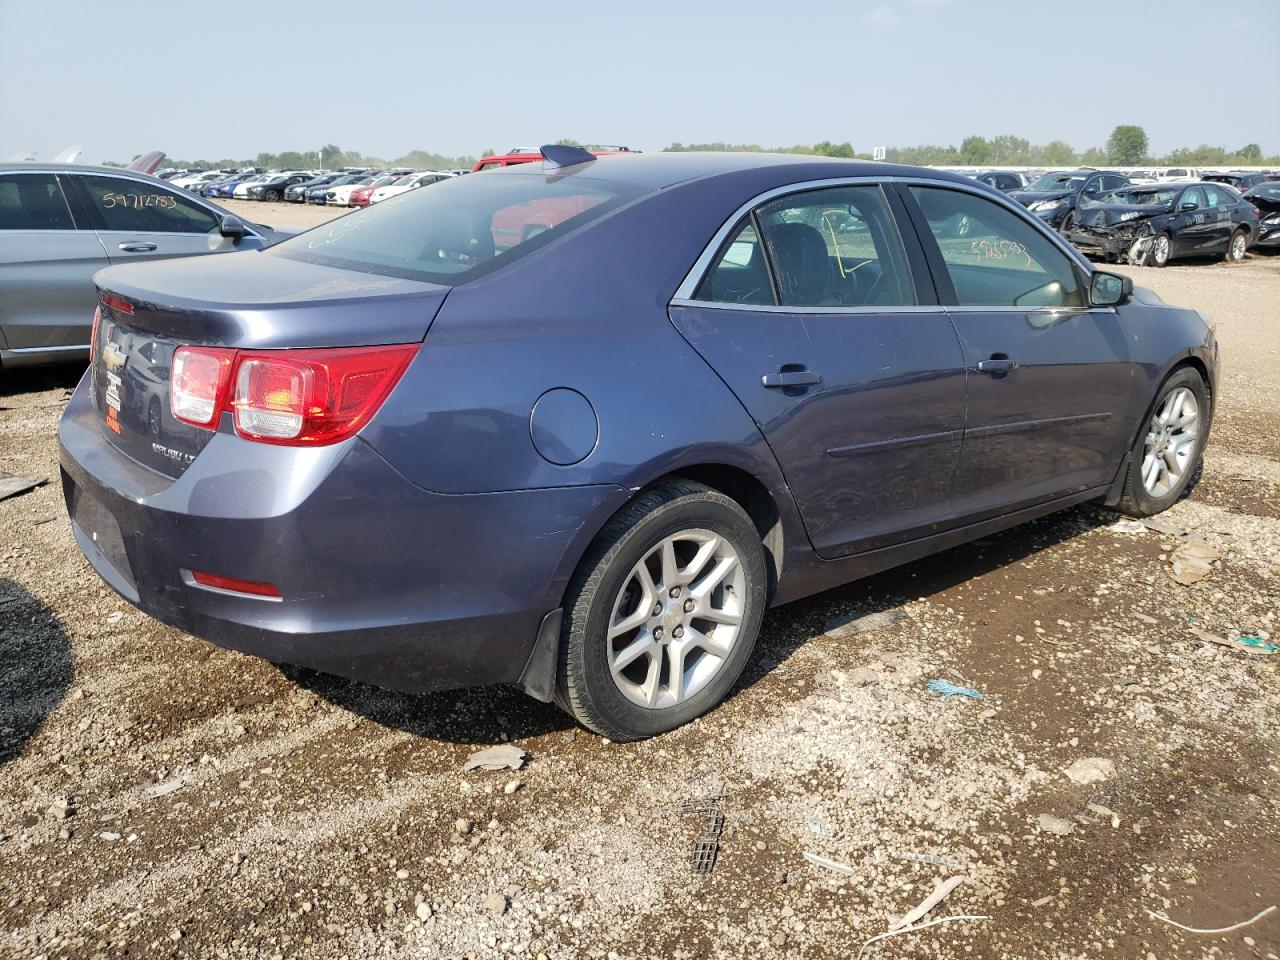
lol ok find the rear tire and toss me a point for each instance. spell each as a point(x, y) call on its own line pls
point(676, 579)
point(272, 195)
point(1237, 246)
point(1169, 445)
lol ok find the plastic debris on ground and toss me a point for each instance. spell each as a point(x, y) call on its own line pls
point(13, 486)
point(1127, 526)
point(946, 688)
point(1192, 562)
point(1245, 643)
point(502, 757)
point(1089, 770)
point(707, 846)
point(839, 627)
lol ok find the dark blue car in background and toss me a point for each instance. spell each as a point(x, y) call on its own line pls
point(574, 425)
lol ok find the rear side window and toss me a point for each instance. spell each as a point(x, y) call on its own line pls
point(993, 256)
point(835, 247)
point(135, 206)
point(33, 201)
point(462, 229)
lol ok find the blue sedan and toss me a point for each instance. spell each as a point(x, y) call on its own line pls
point(576, 424)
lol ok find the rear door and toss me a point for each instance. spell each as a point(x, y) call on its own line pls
point(47, 296)
point(1193, 225)
point(1048, 377)
point(808, 311)
point(141, 220)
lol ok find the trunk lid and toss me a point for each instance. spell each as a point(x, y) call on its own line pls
point(247, 301)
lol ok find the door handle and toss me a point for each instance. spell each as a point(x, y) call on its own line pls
point(791, 378)
point(997, 365)
point(137, 247)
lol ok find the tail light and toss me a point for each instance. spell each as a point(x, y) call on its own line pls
point(292, 397)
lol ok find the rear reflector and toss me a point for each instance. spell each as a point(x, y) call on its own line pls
point(93, 336)
point(251, 587)
point(294, 397)
point(115, 303)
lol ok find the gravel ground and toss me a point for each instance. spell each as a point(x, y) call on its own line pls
point(161, 797)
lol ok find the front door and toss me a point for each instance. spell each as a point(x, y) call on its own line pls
point(1049, 378)
point(810, 315)
point(139, 220)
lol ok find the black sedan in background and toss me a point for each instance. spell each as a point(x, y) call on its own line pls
point(1239, 179)
point(1054, 197)
point(274, 188)
point(1006, 181)
point(316, 194)
point(1266, 200)
point(1158, 222)
point(298, 192)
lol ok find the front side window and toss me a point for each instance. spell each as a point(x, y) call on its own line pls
point(135, 206)
point(995, 258)
point(1194, 196)
point(464, 228)
point(33, 201)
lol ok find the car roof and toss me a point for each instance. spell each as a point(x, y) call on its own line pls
point(660, 170)
point(38, 167)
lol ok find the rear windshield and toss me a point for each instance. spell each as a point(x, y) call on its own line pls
point(461, 228)
point(1139, 198)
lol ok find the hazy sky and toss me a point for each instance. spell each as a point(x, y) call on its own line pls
point(204, 79)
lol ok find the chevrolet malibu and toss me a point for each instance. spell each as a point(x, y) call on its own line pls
point(426, 447)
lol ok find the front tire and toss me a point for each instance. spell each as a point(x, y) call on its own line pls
point(1161, 250)
point(663, 612)
point(272, 195)
point(1168, 449)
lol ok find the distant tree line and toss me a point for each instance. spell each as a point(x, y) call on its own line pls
point(1126, 147)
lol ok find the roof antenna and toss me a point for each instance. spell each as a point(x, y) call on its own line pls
point(560, 156)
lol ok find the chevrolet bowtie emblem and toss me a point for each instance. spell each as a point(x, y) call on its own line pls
point(113, 356)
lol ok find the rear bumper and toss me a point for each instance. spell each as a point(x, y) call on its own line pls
point(382, 581)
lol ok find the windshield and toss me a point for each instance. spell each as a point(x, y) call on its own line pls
point(461, 228)
point(1055, 183)
point(406, 181)
point(1269, 191)
point(1138, 198)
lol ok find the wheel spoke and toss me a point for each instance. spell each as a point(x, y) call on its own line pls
point(724, 566)
point(1150, 470)
point(641, 646)
point(651, 688)
point(632, 621)
point(730, 618)
point(700, 560)
point(696, 638)
point(675, 671)
point(670, 572)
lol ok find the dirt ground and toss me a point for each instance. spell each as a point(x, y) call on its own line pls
point(162, 797)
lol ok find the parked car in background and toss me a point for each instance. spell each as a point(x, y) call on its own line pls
point(362, 195)
point(225, 187)
point(1165, 175)
point(1265, 198)
point(60, 223)
point(339, 194)
point(1159, 222)
point(585, 462)
point(273, 188)
point(241, 190)
point(194, 181)
point(1053, 197)
point(320, 193)
point(1239, 179)
point(409, 182)
point(1006, 181)
point(298, 192)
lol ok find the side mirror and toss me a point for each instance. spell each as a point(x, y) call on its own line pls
point(1189, 206)
point(232, 226)
point(1109, 289)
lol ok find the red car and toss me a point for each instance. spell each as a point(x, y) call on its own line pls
point(524, 155)
point(360, 196)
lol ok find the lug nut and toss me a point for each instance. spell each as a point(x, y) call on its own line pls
point(657, 609)
point(688, 606)
point(678, 632)
point(675, 592)
point(657, 633)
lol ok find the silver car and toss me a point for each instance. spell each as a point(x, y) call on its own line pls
point(60, 224)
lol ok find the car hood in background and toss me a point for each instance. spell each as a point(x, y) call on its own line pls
point(1110, 214)
point(1027, 197)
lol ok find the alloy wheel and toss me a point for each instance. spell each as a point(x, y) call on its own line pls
point(676, 618)
point(1160, 251)
point(1170, 442)
point(1238, 246)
